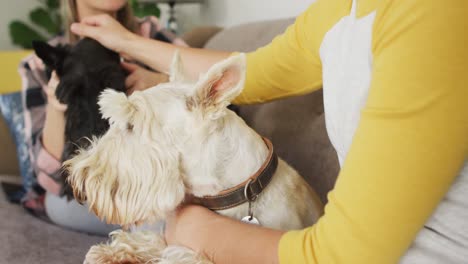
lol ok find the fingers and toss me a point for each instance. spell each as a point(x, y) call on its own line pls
point(131, 83)
point(97, 20)
point(105, 29)
point(54, 76)
point(85, 30)
point(89, 26)
point(51, 99)
point(140, 79)
point(53, 82)
point(136, 79)
point(129, 67)
point(162, 78)
point(184, 221)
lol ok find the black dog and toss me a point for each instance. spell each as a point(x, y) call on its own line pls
point(84, 70)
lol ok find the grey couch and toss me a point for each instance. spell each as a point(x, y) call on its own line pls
point(295, 125)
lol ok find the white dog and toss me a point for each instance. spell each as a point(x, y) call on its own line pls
point(178, 141)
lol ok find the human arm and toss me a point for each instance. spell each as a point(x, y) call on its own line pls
point(140, 78)
point(288, 66)
point(221, 239)
point(53, 133)
point(114, 36)
point(50, 142)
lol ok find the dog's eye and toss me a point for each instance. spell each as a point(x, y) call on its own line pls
point(129, 127)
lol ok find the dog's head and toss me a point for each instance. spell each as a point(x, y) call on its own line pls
point(134, 173)
point(84, 69)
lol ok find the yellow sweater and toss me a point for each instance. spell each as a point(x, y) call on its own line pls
point(411, 137)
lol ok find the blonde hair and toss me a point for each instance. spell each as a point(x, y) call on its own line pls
point(70, 11)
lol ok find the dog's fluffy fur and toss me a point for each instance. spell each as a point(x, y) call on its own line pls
point(172, 140)
point(84, 70)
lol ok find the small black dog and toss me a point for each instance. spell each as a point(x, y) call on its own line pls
point(84, 70)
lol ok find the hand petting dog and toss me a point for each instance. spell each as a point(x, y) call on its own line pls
point(51, 98)
point(139, 78)
point(105, 30)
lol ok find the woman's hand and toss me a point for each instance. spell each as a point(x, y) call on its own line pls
point(53, 133)
point(221, 239)
point(189, 226)
point(51, 98)
point(105, 29)
point(140, 78)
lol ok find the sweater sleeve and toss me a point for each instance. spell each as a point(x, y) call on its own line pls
point(410, 144)
point(287, 66)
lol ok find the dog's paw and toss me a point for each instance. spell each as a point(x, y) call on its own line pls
point(182, 255)
point(128, 248)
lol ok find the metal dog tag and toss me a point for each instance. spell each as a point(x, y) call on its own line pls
point(250, 220)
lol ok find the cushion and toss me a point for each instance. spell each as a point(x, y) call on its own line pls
point(12, 111)
point(248, 37)
point(13, 119)
point(198, 37)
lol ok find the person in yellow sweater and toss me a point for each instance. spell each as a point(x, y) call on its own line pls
point(395, 82)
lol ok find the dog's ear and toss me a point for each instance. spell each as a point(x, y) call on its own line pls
point(121, 110)
point(177, 69)
point(222, 83)
point(115, 106)
point(51, 56)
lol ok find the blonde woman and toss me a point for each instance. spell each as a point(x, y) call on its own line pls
point(44, 116)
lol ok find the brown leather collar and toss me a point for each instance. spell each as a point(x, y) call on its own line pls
point(245, 191)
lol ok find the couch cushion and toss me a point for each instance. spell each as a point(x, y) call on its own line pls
point(248, 37)
point(296, 126)
point(10, 83)
point(198, 37)
point(11, 108)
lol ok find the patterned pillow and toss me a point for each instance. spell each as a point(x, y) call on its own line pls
point(12, 110)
